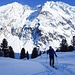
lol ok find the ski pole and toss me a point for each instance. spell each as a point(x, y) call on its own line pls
point(46, 58)
point(57, 60)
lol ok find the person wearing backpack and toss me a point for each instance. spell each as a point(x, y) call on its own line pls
point(51, 53)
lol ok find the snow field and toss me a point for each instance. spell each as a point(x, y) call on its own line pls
point(64, 63)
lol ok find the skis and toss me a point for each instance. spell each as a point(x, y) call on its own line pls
point(54, 67)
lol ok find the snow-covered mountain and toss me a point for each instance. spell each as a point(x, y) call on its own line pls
point(41, 26)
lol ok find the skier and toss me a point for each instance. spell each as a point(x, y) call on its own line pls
point(51, 53)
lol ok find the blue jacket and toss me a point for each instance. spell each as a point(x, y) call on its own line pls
point(51, 52)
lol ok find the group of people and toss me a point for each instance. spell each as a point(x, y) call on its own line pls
point(51, 53)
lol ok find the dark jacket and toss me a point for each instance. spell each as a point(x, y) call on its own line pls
point(51, 52)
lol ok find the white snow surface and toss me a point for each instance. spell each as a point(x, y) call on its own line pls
point(64, 63)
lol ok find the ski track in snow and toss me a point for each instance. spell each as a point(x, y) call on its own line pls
point(61, 68)
point(49, 70)
point(40, 64)
point(64, 68)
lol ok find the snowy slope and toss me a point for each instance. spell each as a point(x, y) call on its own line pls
point(65, 64)
point(41, 26)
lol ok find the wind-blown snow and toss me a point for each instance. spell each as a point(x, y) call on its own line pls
point(64, 63)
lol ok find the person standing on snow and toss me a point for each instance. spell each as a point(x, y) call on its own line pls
point(51, 53)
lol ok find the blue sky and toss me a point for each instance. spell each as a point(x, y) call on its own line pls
point(33, 3)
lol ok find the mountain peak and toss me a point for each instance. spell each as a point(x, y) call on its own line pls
point(41, 26)
point(58, 3)
point(15, 4)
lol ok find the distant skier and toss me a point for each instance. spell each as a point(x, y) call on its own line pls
point(51, 53)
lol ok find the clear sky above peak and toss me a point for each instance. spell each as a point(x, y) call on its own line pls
point(33, 3)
